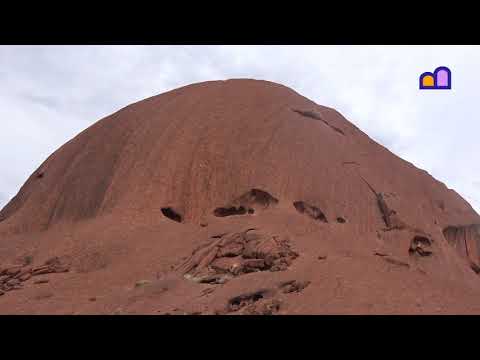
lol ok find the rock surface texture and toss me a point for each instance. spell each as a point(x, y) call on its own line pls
point(235, 197)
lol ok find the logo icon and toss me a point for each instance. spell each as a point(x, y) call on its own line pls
point(440, 79)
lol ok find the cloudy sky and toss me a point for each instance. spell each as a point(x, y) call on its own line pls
point(48, 94)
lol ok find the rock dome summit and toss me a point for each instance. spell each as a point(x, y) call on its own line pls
point(235, 197)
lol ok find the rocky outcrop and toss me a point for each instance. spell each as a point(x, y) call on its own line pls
point(231, 255)
point(12, 277)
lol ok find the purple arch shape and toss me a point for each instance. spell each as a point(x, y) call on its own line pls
point(449, 77)
point(421, 81)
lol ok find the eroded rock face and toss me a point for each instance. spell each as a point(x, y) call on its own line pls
point(253, 304)
point(257, 198)
point(389, 215)
point(310, 210)
point(263, 301)
point(420, 245)
point(171, 214)
point(232, 210)
point(133, 194)
point(12, 277)
point(466, 241)
point(252, 200)
point(230, 255)
point(293, 286)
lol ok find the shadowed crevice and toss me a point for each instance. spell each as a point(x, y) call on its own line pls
point(314, 115)
point(310, 210)
point(171, 214)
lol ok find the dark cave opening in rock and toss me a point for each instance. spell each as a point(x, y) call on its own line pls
point(222, 211)
point(262, 197)
point(256, 197)
point(420, 245)
point(171, 214)
point(310, 210)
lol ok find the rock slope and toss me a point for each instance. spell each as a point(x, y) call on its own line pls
point(235, 197)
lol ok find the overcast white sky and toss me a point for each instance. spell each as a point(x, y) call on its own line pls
point(48, 94)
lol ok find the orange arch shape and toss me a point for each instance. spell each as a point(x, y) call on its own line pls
point(427, 81)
